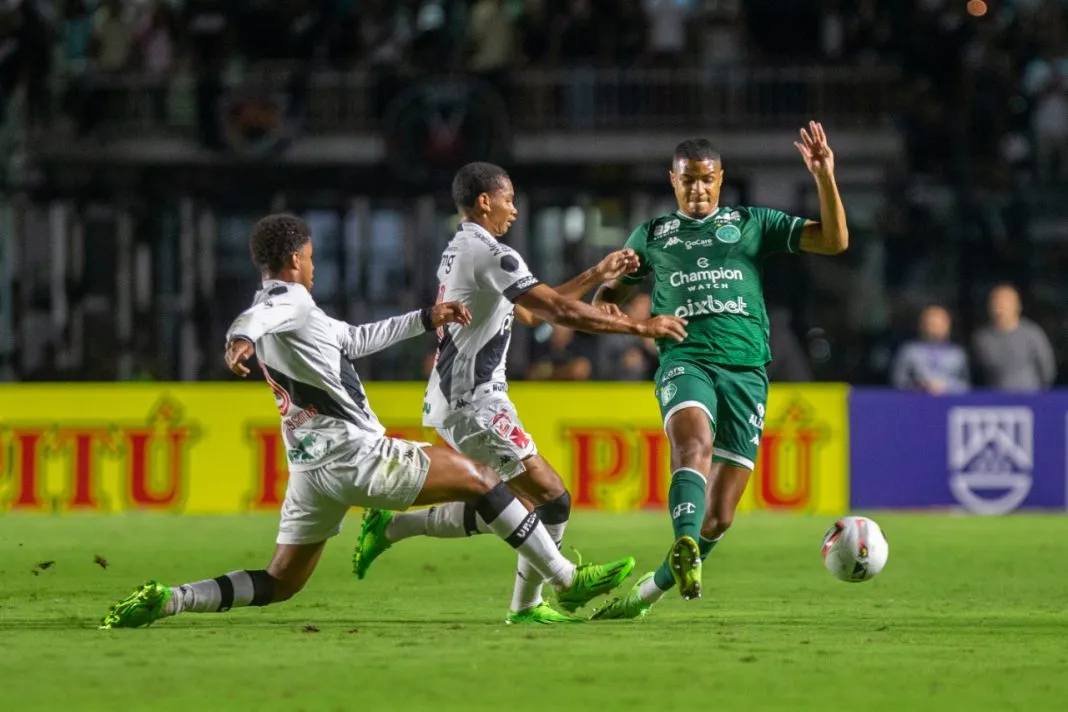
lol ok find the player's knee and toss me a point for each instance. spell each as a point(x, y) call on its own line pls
point(557, 510)
point(695, 453)
point(482, 480)
point(716, 526)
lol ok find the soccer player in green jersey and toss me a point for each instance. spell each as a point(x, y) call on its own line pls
point(712, 388)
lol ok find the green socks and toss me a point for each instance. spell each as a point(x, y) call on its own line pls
point(686, 504)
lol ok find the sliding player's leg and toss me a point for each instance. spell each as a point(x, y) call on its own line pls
point(310, 515)
point(452, 477)
point(489, 433)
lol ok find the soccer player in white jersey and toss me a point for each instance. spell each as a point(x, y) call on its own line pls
point(337, 450)
point(467, 398)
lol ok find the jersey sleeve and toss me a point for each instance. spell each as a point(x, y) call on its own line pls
point(366, 339)
point(638, 241)
point(285, 309)
point(504, 270)
point(779, 232)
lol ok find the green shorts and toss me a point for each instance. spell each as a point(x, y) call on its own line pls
point(732, 397)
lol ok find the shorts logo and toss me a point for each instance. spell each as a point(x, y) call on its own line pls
point(668, 392)
point(502, 423)
point(683, 508)
point(728, 234)
point(674, 373)
point(757, 419)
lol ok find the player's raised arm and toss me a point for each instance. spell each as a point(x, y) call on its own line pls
point(544, 302)
point(614, 265)
point(366, 339)
point(829, 236)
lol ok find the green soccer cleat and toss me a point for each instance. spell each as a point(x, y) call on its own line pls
point(373, 541)
point(542, 613)
point(684, 559)
point(593, 580)
point(141, 608)
point(626, 608)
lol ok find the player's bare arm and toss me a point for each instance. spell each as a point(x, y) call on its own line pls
point(546, 303)
point(829, 236)
point(611, 294)
point(613, 266)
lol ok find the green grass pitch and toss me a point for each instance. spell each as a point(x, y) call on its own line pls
point(970, 614)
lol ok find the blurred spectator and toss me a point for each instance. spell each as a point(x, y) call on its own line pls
point(628, 357)
point(156, 37)
point(490, 37)
point(1046, 83)
point(933, 363)
point(1013, 353)
point(628, 41)
point(113, 37)
point(562, 361)
point(535, 33)
point(667, 39)
point(383, 34)
point(577, 44)
point(789, 363)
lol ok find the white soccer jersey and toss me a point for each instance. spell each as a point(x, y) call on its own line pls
point(307, 358)
point(488, 277)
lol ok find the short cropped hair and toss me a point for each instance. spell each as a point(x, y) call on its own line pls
point(696, 149)
point(275, 238)
point(473, 180)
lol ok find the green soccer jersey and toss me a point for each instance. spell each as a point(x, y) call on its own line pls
point(709, 272)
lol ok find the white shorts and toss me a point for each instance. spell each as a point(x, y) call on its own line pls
point(490, 432)
point(384, 474)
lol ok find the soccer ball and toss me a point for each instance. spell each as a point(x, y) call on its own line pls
point(855, 549)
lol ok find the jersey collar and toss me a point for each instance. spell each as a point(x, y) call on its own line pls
point(705, 219)
point(475, 227)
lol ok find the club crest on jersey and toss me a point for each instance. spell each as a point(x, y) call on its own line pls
point(666, 228)
point(728, 234)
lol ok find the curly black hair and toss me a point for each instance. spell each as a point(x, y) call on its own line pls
point(276, 237)
point(696, 149)
point(473, 180)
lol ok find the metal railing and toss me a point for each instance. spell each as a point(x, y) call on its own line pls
point(537, 100)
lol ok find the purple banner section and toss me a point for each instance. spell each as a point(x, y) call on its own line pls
point(984, 452)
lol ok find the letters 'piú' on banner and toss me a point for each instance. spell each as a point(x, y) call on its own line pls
point(215, 448)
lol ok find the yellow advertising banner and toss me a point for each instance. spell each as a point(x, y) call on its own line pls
point(216, 448)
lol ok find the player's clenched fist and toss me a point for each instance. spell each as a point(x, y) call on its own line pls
point(663, 327)
point(450, 313)
point(616, 264)
point(237, 352)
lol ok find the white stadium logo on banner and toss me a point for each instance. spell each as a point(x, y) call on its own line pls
point(991, 457)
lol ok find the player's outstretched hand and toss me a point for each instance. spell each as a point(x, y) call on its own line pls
point(450, 313)
point(819, 158)
point(616, 264)
point(664, 327)
point(237, 352)
point(610, 309)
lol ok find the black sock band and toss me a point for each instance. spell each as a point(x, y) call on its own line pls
point(262, 588)
point(490, 505)
point(556, 512)
point(226, 593)
point(525, 528)
point(470, 519)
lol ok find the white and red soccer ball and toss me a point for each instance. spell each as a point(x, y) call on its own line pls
point(855, 549)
